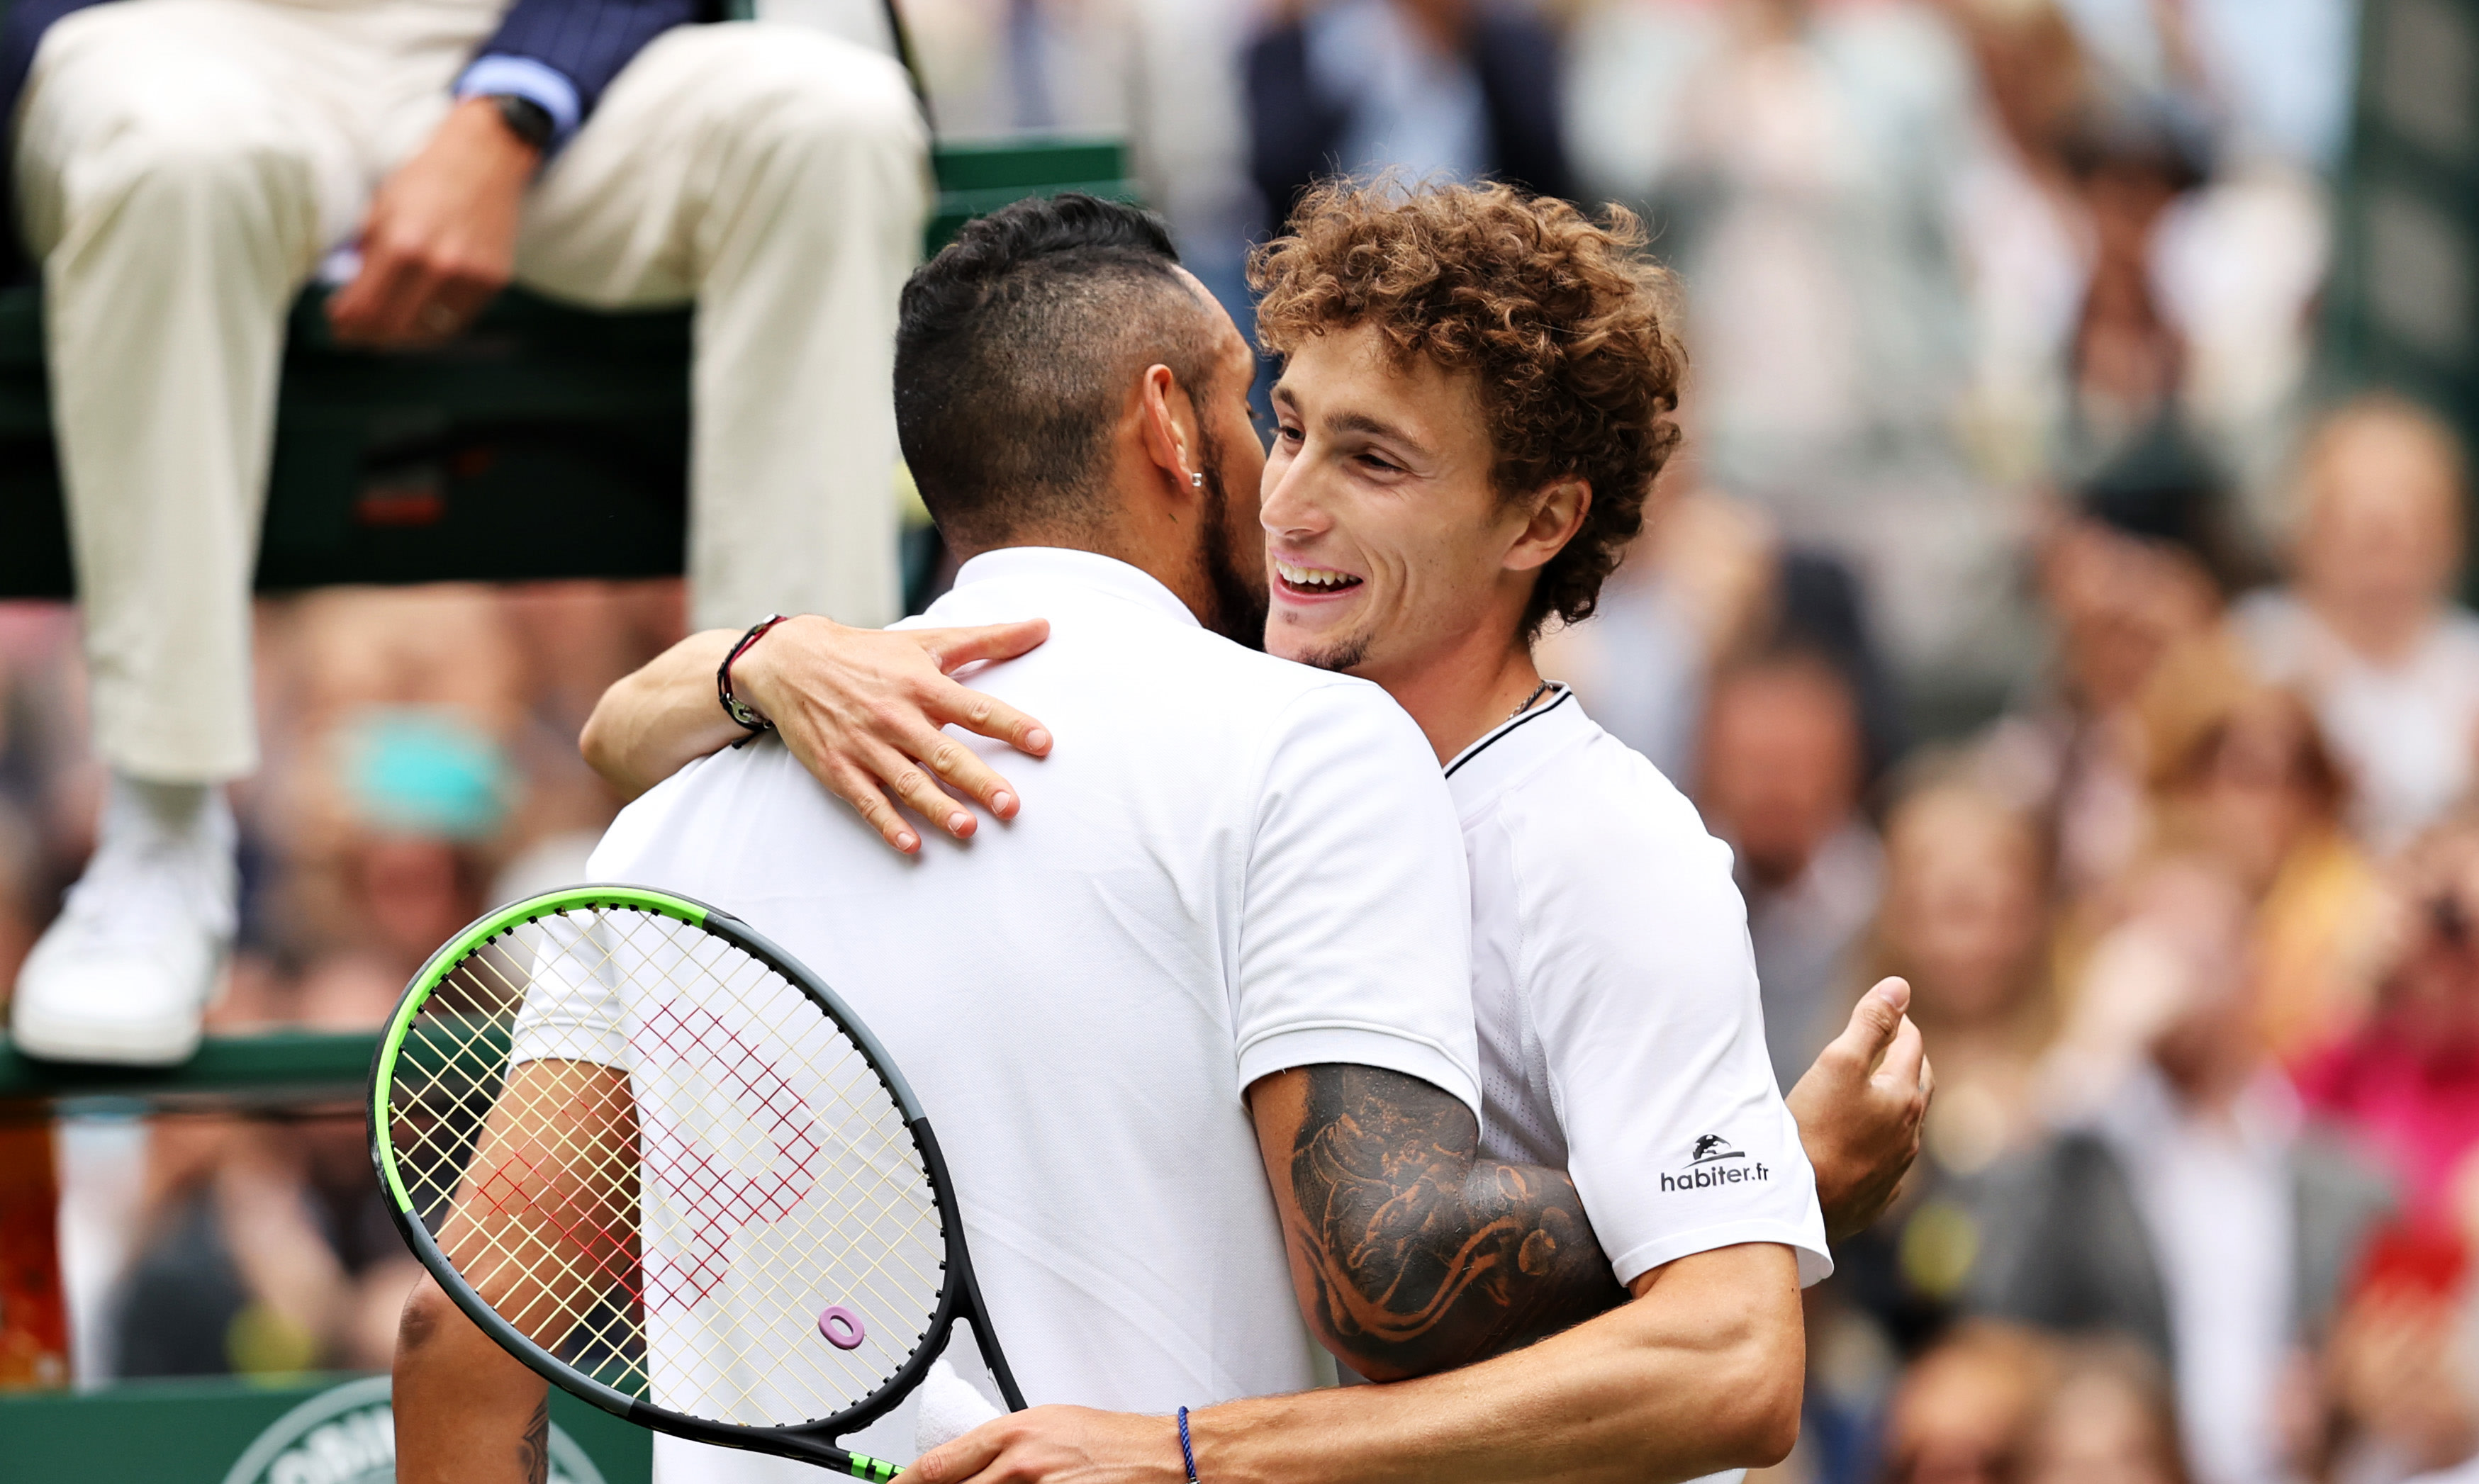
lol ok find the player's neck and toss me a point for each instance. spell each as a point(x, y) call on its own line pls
point(1465, 690)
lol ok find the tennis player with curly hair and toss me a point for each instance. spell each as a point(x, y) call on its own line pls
point(1477, 395)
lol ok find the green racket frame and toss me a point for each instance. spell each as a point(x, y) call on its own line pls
point(813, 1442)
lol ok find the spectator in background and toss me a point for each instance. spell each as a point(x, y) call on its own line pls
point(1708, 583)
point(1965, 921)
point(2408, 1080)
point(2368, 630)
point(1452, 89)
point(1798, 156)
point(1959, 1414)
point(2023, 232)
point(2107, 1419)
point(2142, 562)
point(1799, 161)
point(2238, 771)
point(2126, 361)
point(1784, 759)
point(2401, 1373)
point(2180, 1201)
point(261, 1246)
point(264, 1249)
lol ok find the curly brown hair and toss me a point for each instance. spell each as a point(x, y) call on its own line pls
point(1566, 322)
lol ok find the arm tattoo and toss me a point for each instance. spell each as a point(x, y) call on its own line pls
point(1423, 1255)
point(533, 1450)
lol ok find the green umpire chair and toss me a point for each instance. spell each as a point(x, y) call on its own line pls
point(546, 442)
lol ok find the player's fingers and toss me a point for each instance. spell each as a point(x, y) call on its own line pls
point(964, 1459)
point(1874, 1023)
point(962, 769)
point(1927, 1082)
point(861, 792)
point(992, 717)
point(916, 788)
point(1902, 1058)
point(952, 647)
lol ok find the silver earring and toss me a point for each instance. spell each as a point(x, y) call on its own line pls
point(1197, 479)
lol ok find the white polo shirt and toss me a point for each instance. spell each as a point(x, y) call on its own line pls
point(1621, 1035)
point(1228, 865)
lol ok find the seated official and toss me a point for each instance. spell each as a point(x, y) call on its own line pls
point(183, 167)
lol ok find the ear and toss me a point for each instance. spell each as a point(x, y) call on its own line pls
point(1166, 416)
point(1557, 514)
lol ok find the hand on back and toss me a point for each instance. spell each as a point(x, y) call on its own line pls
point(864, 709)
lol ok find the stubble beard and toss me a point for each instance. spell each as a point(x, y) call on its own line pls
point(1342, 657)
point(1239, 608)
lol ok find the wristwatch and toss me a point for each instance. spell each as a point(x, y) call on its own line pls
point(526, 118)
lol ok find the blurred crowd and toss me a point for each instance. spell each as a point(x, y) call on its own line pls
point(2030, 611)
point(422, 766)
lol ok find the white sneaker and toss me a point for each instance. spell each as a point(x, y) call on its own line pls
point(124, 974)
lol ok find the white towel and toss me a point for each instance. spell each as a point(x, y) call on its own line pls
point(951, 1407)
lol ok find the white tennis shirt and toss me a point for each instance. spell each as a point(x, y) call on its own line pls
point(1615, 989)
point(1229, 866)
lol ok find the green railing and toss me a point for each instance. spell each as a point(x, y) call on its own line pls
point(279, 1066)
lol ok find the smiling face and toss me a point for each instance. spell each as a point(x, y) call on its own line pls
point(1388, 545)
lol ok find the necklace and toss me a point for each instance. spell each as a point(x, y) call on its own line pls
point(1538, 692)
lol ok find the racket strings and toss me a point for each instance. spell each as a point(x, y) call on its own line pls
point(659, 1159)
point(857, 1104)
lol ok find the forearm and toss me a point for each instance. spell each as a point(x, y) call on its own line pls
point(654, 721)
point(1700, 1374)
point(467, 1412)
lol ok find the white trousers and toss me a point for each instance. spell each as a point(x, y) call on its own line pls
point(183, 164)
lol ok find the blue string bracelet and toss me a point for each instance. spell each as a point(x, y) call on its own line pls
point(1186, 1448)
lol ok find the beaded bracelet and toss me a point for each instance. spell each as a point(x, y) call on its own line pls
point(732, 705)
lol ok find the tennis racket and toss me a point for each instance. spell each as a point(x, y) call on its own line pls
point(660, 1163)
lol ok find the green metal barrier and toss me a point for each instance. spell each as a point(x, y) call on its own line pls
point(548, 441)
point(328, 1429)
point(277, 1068)
point(304, 1429)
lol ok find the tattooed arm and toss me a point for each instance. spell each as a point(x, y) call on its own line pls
point(1410, 1252)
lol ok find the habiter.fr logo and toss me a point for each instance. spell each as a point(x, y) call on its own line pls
point(1713, 1162)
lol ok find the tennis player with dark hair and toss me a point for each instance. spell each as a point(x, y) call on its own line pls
point(1476, 401)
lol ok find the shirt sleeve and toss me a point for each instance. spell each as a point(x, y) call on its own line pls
point(1642, 985)
point(540, 84)
point(571, 1012)
point(582, 45)
point(1355, 936)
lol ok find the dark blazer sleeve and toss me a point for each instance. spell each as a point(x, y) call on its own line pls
point(588, 42)
point(19, 35)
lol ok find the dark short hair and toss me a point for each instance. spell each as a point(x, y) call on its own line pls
point(1013, 349)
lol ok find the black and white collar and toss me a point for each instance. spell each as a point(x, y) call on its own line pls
point(1487, 759)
